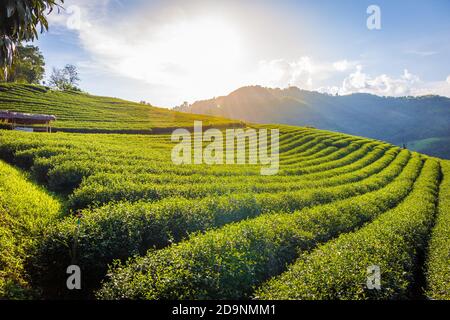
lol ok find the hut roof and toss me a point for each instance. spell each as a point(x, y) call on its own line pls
point(28, 117)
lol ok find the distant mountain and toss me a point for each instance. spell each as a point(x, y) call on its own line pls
point(405, 120)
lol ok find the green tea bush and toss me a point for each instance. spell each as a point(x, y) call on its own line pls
point(213, 231)
point(227, 263)
point(338, 269)
point(105, 232)
point(101, 192)
point(25, 213)
point(438, 262)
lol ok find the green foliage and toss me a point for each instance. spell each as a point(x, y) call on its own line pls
point(25, 212)
point(438, 264)
point(135, 228)
point(198, 231)
point(229, 262)
point(338, 269)
point(65, 79)
point(28, 67)
point(20, 21)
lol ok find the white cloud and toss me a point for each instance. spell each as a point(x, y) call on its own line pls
point(441, 88)
point(407, 84)
point(383, 84)
point(343, 65)
point(448, 80)
point(304, 72)
point(280, 73)
point(197, 58)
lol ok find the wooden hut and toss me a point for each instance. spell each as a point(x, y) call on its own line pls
point(27, 119)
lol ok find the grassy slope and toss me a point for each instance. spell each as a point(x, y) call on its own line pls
point(80, 111)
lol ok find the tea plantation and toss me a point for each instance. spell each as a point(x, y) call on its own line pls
point(81, 112)
point(141, 227)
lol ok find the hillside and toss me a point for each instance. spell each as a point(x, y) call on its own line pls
point(77, 111)
point(142, 227)
point(406, 120)
point(226, 231)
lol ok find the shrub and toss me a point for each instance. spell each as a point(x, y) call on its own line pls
point(438, 262)
point(25, 213)
point(227, 263)
point(117, 231)
point(338, 269)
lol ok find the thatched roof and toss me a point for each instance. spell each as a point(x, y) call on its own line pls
point(25, 118)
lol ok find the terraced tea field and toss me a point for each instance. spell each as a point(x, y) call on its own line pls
point(141, 227)
point(81, 112)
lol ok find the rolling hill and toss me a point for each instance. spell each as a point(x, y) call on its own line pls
point(140, 226)
point(405, 120)
point(81, 112)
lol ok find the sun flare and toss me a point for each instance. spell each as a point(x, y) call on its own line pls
point(195, 54)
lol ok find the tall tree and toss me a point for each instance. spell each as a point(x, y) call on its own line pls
point(65, 79)
point(72, 75)
point(28, 66)
point(20, 21)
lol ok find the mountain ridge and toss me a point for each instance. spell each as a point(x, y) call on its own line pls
point(399, 120)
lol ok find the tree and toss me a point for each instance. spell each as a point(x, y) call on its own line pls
point(58, 79)
point(72, 75)
point(65, 79)
point(28, 67)
point(20, 21)
point(182, 107)
point(185, 105)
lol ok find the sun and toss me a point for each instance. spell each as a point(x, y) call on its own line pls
point(196, 55)
point(203, 42)
point(200, 49)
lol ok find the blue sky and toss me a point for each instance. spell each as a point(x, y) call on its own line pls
point(167, 52)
